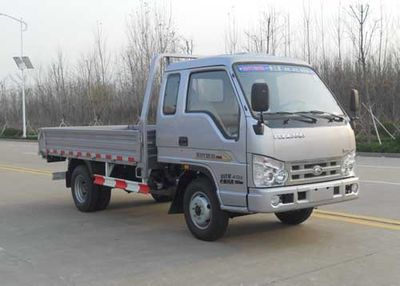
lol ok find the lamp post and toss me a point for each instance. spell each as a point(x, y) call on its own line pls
point(22, 66)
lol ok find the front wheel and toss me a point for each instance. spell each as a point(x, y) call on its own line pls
point(203, 215)
point(294, 217)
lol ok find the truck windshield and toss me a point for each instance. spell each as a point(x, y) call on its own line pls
point(291, 88)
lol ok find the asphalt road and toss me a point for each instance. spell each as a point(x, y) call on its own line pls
point(44, 240)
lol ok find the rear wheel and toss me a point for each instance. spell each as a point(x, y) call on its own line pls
point(294, 217)
point(84, 192)
point(203, 215)
point(104, 197)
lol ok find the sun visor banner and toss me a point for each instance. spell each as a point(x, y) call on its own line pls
point(273, 68)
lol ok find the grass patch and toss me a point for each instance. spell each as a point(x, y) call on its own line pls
point(388, 146)
point(13, 133)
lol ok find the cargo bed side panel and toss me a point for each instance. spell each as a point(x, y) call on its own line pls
point(118, 143)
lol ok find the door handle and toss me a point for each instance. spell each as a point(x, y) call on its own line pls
point(183, 141)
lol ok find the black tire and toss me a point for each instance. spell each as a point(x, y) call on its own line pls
point(202, 190)
point(84, 192)
point(161, 198)
point(104, 197)
point(294, 217)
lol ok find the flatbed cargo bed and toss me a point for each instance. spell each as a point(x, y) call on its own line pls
point(119, 143)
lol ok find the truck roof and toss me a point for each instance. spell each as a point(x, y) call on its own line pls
point(228, 60)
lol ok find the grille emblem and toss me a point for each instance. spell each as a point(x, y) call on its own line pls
point(317, 170)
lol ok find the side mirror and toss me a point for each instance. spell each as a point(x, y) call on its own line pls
point(260, 97)
point(354, 102)
point(259, 103)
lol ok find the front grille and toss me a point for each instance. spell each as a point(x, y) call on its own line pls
point(313, 171)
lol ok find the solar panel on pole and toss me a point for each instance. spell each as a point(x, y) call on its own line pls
point(27, 62)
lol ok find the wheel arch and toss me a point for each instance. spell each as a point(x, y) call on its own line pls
point(185, 178)
point(72, 164)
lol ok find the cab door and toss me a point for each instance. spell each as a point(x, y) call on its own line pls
point(167, 114)
point(212, 131)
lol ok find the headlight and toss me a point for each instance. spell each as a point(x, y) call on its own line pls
point(268, 172)
point(348, 163)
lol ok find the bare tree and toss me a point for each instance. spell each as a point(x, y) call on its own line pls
point(57, 76)
point(307, 38)
point(102, 58)
point(339, 33)
point(231, 34)
point(322, 34)
point(188, 47)
point(362, 40)
point(268, 36)
point(287, 36)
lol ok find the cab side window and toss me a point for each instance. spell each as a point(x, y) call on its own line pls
point(211, 92)
point(171, 94)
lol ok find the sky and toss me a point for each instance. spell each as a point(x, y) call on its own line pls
point(70, 25)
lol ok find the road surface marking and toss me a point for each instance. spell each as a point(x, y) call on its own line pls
point(363, 217)
point(25, 170)
point(359, 219)
point(380, 182)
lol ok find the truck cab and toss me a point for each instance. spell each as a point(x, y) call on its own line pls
point(296, 154)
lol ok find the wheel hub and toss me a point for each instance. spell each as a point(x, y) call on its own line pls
point(80, 189)
point(200, 210)
point(197, 210)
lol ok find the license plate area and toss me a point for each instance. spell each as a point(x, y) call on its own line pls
point(321, 194)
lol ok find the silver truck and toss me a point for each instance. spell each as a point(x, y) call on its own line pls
point(234, 135)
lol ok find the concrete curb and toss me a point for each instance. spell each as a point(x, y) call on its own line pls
point(376, 154)
point(18, 140)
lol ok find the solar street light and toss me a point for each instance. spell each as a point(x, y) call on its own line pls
point(23, 63)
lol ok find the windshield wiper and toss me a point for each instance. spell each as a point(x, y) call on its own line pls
point(294, 116)
point(324, 114)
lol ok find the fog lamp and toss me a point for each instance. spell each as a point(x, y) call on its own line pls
point(354, 188)
point(275, 201)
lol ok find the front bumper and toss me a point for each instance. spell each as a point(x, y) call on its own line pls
point(301, 196)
